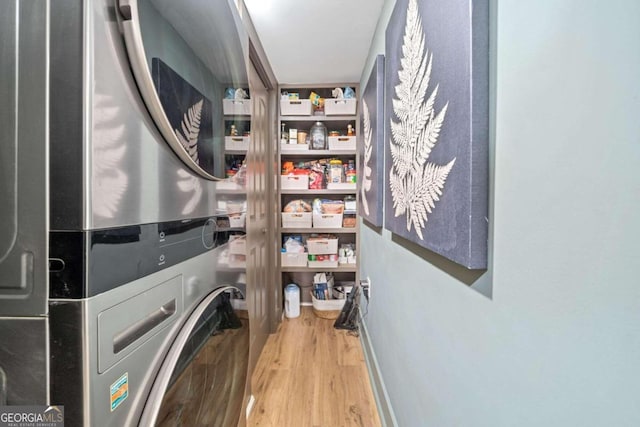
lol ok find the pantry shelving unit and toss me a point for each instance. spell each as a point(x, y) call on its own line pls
point(230, 196)
point(236, 113)
point(303, 275)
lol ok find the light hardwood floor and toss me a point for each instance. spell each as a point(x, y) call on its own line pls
point(312, 375)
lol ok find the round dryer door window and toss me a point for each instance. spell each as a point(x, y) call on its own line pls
point(202, 380)
point(189, 61)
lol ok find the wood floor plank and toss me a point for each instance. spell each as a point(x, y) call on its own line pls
point(312, 375)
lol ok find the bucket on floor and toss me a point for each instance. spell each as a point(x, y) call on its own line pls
point(291, 301)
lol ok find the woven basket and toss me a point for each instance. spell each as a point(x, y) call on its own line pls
point(327, 309)
point(327, 314)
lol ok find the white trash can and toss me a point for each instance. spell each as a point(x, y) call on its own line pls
point(291, 301)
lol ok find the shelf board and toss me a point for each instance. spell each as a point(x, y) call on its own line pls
point(318, 118)
point(341, 268)
point(230, 229)
point(236, 152)
point(315, 153)
point(226, 269)
point(242, 192)
point(309, 192)
point(341, 230)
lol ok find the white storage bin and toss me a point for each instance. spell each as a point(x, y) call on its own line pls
point(237, 220)
point(227, 184)
point(237, 245)
point(340, 107)
point(323, 264)
point(295, 107)
point(322, 246)
point(237, 261)
point(296, 219)
point(285, 148)
point(342, 143)
point(236, 142)
point(236, 107)
point(294, 182)
point(341, 186)
point(239, 304)
point(290, 259)
point(327, 220)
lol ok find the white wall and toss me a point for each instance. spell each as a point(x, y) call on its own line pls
point(558, 342)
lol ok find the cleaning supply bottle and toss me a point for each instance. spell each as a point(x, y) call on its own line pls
point(292, 301)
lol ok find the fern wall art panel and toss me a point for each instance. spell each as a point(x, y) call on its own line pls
point(188, 111)
point(371, 148)
point(437, 127)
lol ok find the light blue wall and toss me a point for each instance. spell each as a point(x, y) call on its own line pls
point(557, 343)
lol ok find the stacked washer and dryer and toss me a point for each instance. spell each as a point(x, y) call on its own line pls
point(110, 302)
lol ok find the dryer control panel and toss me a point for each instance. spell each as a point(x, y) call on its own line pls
point(87, 263)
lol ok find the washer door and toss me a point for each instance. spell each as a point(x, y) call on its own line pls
point(202, 380)
point(186, 56)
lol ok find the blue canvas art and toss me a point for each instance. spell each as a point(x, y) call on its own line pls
point(371, 148)
point(437, 127)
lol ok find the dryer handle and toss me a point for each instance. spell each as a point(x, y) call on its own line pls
point(129, 335)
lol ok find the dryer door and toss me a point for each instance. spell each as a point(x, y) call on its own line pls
point(202, 380)
point(186, 57)
point(24, 158)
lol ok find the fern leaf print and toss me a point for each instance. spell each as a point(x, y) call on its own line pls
point(366, 181)
point(188, 137)
point(415, 183)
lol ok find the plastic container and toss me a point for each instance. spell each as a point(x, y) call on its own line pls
point(291, 301)
point(318, 136)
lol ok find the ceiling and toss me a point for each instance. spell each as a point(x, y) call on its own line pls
point(315, 41)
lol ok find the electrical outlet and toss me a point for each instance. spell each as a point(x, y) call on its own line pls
point(366, 288)
point(369, 282)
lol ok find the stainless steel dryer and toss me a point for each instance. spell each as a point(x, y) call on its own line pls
point(168, 349)
point(109, 236)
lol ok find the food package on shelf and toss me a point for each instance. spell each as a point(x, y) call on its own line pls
point(323, 286)
point(349, 221)
point(298, 206)
point(294, 244)
point(316, 177)
point(328, 206)
point(293, 253)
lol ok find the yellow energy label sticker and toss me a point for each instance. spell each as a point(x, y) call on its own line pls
point(119, 391)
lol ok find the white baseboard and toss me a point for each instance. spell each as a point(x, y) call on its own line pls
point(252, 401)
point(387, 416)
